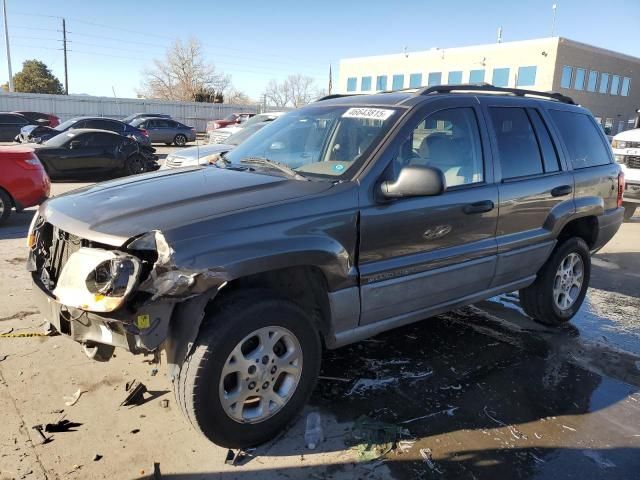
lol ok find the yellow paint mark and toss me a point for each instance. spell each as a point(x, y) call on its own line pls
point(143, 321)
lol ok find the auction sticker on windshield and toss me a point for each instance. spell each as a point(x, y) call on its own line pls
point(368, 113)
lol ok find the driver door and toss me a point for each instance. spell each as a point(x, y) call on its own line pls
point(423, 253)
point(79, 154)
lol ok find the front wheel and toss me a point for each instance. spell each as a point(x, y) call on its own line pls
point(180, 140)
point(558, 292)
point(134, 165)
point(629, 210)
point(5, 206)
point(253, 367)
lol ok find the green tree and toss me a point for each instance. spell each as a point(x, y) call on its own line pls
point(35, 77)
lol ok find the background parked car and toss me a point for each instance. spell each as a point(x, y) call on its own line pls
point(133, 116)
point(234, 118)
point(23, 181)
point(162, 130)
point(221, 134)
point(83, 152)
point(39, 134)
point(10, 125)
point(38, 118)
point(205, 154)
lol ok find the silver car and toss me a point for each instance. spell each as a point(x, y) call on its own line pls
point(164, 130)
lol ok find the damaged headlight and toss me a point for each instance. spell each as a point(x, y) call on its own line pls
point(97, 280)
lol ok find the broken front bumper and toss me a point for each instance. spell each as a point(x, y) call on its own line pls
point(139, 331)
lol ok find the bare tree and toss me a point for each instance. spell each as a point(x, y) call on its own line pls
point(237, 97)
point(295, 91)
point(182, 74)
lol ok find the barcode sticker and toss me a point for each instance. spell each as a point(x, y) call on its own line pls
point(368, 113)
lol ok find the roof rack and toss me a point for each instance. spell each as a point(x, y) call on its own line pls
point(487, 87)
point(337, 95)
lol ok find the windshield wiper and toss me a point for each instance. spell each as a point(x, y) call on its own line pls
point(263, 161)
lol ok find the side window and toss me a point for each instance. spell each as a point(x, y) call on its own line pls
point(448, 140)
point(582, 139)
point(160, 123)
point(104, 140)
point(12, 120)
point(517, 145)
point(548, 149)
point(104, 125)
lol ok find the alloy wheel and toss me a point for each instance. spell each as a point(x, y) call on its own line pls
point(568, 280)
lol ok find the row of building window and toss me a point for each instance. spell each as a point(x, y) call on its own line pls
point(605, 83)
point(500, 78)
point(611, 127)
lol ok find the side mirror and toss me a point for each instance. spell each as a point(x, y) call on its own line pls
point(75, 144)
point(415, 182)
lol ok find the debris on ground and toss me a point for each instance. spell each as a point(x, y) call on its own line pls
point(61, 425)
point(515, 433)
point(164, 403)
point(448, 411)
point(136, 391)
point(240, 457)
point(156, 471)
point(154, 372)
point(334, 379)
point(97, 457)
point(313, 434)
point(70, 401)
point(135, 430)
point(427, 456)
point(364, 385)
point(40, 430)
point(373, 439)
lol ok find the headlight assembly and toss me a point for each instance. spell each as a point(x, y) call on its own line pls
point(97, 280)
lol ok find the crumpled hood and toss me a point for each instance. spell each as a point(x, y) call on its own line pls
point(36, 130)
point(112, 212)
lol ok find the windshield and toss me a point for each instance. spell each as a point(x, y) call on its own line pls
point(230, 118)
point(60, 140)
point(65, 125)
point(323, 141)
point(261, 117)
point(129, 118)
point(239, 137)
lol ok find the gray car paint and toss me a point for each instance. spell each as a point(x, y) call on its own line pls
point(241, 223)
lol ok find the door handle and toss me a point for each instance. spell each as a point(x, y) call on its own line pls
point(561, 191)
point(478, 207)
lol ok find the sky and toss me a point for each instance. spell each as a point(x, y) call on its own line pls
point(111, 42)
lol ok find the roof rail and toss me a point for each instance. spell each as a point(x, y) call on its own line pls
point(487, 87)
point(336, 95)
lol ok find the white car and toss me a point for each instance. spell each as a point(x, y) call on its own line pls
point(220, 135)
point(626, 149)
point(206, 154)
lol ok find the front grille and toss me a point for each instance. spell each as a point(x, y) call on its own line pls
point(632, 144)
point(633, 162)
point(218, 137)
point(53, 249)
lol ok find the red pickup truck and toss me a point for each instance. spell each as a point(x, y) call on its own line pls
point(232, 119)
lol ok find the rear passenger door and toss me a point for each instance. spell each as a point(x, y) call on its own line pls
point(425, 253)
point(535, 187)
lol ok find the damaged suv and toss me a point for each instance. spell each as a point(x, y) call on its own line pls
point(343, 219)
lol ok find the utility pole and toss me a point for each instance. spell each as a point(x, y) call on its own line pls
point(553, 21)
point(6, 42)
point(64, 47)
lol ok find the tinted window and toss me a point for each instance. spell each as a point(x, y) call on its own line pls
point(593, 81)
point(454, 78)
point(398, 82)
point(567, 74)
point(435, 78)
point(365, 84)
point(104, 125)
point(476, 76)
point(9, 119)
point(415, 80)
point(159, 123)
point(526, 76)
point(103, 140)
point(500, 77)
point(448, 140)
point(352, 84)
point(381, 82)
point(517, 145)
point(582, 139)
point(549, 153)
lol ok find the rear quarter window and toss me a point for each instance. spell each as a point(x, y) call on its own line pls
point(581, 137)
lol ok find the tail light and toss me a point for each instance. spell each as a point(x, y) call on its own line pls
point(620, 188)
point(30, 162)
point(53, 120)
point(144, 132)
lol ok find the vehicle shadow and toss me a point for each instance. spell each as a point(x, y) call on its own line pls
point(617, 272)
point(17, 225)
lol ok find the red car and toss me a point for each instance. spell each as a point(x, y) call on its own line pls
point(44, 119)
point(232, 119)
point(23, 181)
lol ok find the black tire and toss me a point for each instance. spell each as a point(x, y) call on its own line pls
point(225, 326)
point(629, 210)
point(6, 204)
point(180, 140)
point(537, 299)
point(134, 165)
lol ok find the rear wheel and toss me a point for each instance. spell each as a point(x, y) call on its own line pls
point(180, 140)
point(5, 206)
point(558, 292)
point(629, 210)
point(134, 165)
point(253, 367)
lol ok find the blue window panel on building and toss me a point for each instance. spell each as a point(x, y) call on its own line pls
point(415, 80)
point(476, 76)
point(567, 75)
point(500, 77)
point(604, 83)
point(434, 79)
point(615, 85)
point(365, 84)
point(352, 84)
point(526, 76)
point(581, 74)
point(398, 82)
point(454, 78)
point(626, 86)
point(593, 81)
point(381, 82)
